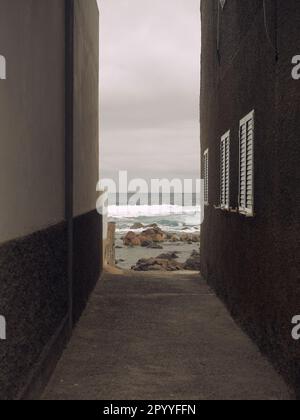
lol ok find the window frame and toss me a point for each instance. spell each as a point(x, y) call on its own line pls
point(225, 182)
point(247, 211)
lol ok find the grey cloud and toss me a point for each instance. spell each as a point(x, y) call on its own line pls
point(149, 73)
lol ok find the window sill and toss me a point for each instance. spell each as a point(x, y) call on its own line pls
point(246, 213)
point(225, 209)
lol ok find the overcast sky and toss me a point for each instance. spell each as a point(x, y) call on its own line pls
point(150, 77)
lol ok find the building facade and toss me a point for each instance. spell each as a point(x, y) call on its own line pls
point(250, 129)
point(50, 231)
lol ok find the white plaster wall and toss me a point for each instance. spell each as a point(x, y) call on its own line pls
point(86, 106)
point(31, 116)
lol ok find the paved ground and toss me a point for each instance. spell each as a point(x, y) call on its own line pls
point(160, 337)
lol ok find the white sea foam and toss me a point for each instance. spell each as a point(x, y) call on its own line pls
point(167, 229)
point(150, 211)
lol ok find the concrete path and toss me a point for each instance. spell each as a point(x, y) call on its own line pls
point(160, 337)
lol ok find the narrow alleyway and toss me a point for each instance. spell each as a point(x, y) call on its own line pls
point(160, 337)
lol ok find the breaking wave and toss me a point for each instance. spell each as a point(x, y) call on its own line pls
point(150, 211)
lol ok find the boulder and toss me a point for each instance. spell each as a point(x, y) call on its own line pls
point(193, 263)
point(157, 264)
point(195, 254)
point(168, 256)
point(154, 234)
point(196, 237)
point(190, 237)
point(147, 237)
point(186, 237)
point(137, 226)
point(153, 225)
point(131, 239)
point(157, 267)
point(174, 238)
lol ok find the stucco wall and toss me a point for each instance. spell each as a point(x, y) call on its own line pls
point(33, 239)
point(253, 263)
point(87, 222)
point(86, 106)
point(31, 116)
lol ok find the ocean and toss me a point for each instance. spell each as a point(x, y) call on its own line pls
point(173, 214)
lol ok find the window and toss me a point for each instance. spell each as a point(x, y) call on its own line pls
point(225, 171)
point(246, 169)
point(205, 175)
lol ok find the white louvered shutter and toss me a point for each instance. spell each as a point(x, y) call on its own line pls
point(205, 174)
point(222, 2)
point(246, 193)
point(225, 171)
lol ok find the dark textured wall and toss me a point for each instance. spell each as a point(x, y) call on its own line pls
point(253, 263)
point(33, 290)
point(87, 259)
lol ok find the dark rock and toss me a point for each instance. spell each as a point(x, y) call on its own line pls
point(137, 226)
point(168, 256)
point(195, 254)
point(193, 263)
point(196, 237)
point(155, 246)
point(146, 244)
point(157, 264)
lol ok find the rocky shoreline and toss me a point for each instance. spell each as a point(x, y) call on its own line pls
point(167, 262)
point(153, 234)
point(153, 237)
